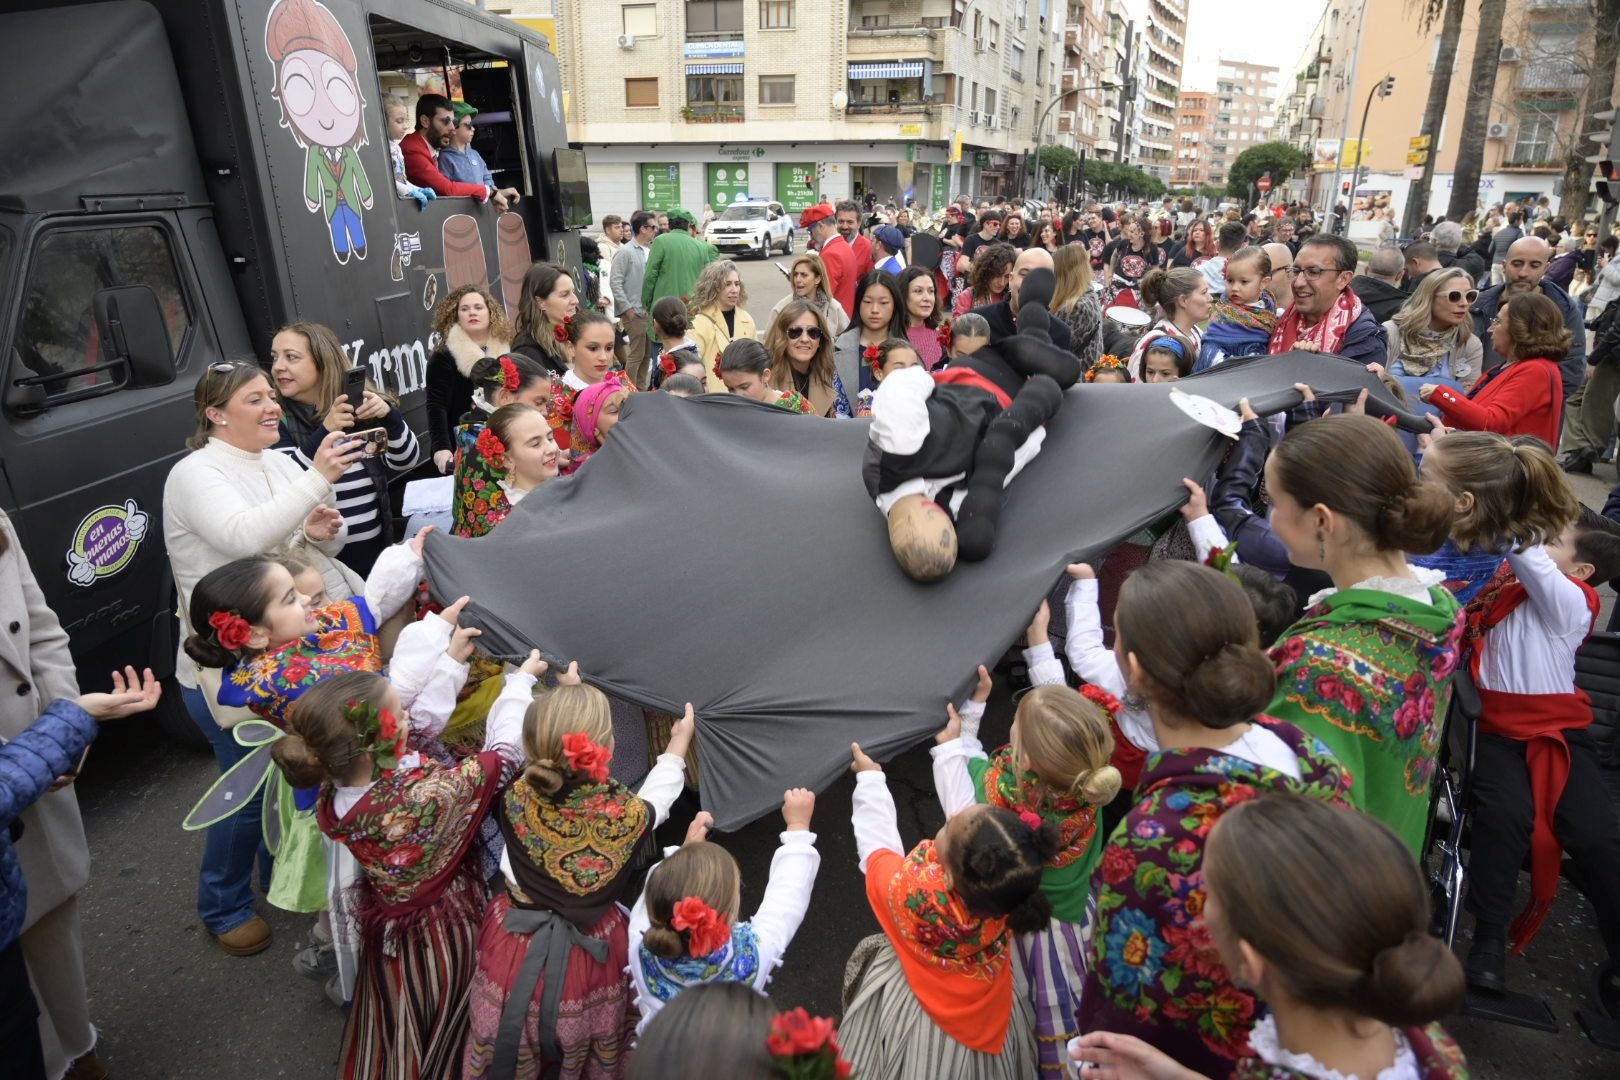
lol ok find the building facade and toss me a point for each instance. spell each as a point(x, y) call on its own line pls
point(695, 102)
point(1538, 110)
point(1244, 113)
point(1192, 165)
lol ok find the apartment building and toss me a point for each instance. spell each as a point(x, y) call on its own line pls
point(1244, 114)
point(1192, 163)
point(1088, 65)
point(696, 102)
point(1538, 109)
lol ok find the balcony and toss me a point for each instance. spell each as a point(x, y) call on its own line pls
point(1071, 42)
point(890, 108)
point(1550, 75)
point(709, 112)
point(1557, 5)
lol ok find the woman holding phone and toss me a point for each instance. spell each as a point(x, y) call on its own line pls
point(318, 396)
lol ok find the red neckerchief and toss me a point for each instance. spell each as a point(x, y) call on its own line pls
point(1327, 335)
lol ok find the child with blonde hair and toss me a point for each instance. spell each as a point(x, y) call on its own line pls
point(685, 930)
point(1056, 770)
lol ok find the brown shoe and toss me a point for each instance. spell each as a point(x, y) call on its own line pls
point(88, 1067)
point(251, 937)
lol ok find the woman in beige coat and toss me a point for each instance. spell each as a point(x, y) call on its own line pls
point(718, 316)
point(35, 669)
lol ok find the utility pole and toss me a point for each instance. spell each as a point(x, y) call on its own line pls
point(1385, 87)
point(1328, 213)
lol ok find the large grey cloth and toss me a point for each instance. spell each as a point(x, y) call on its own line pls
point(724, 552)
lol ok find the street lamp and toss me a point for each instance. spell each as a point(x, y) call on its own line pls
point(1040, 124)
point(1383, 88)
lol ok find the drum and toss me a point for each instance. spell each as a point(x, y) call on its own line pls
point(1122, 328)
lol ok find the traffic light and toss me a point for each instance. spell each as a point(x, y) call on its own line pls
point(1387, 87)
point(1344, 188)
point(1607, 182)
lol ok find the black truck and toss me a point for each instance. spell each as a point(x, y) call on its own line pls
point(194, 174)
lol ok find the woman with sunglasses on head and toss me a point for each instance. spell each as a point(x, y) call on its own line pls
point(801, 351)
point(1431, 338)
point(1524, 394)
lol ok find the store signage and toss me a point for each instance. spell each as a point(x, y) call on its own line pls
point(710, 50)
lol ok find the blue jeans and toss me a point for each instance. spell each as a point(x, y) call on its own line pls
point(225, 882)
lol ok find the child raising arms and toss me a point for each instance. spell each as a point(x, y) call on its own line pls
point(684, 930)
point(1055, 770)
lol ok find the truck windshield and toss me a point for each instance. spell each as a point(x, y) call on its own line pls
point(750, 212)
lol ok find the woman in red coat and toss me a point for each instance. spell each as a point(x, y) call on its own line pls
point(1524, 395)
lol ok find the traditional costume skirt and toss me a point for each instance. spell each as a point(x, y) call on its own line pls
point(595, 1015)
point(1052, 963)
point(409, 1017)
point(887, 1035)
point(298, 875)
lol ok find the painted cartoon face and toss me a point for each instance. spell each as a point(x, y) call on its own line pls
point(322, 99)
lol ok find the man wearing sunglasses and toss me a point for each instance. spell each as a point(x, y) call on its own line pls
point(1524, 270)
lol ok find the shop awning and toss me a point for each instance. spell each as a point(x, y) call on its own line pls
point(908, 69)
point(734, 68)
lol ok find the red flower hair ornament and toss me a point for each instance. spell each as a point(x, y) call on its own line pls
point(1030, 818)
point(666, 364)
point(510, 379)
point(806, 1047)
point(378, 733)
point(873, 355)
point(1101, 698)
point(706, 929)
point(492, 449)
point(562, 330)
point(716, 368)
point(586, 757)
point(230, 630)
point(945, 336)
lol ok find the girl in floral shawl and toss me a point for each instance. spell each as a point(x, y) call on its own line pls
point(479, 502)
point(1056, 770)
point(932, 996)
point(1321, 910)
point(410, 824)
point(1186, 641)
point(549, 996)
point(1367, 669)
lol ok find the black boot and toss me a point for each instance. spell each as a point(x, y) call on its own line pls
point(1578, 461)
point(1486, 967)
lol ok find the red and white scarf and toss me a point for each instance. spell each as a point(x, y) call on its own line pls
point(1327, 335)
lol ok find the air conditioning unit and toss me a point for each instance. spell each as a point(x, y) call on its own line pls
point(1510, 55)
point(978, 45)
point(1496, 131)
point(627, 41)
point(973, 118)
point(995, 123)
point(1023, 22)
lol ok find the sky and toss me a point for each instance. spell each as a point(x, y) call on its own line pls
point(1272, 34)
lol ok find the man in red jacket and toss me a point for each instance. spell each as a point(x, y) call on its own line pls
point(839, 259)
point(435, 124)
point(849, 228)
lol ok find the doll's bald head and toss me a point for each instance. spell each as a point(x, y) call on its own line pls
point(923, 538)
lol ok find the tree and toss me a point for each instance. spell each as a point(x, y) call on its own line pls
point(1277, 158)
point(1058, 159)
point(1599, 94)
point(1477, 113)
point(1417, 199)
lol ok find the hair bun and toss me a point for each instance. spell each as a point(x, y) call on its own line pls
point(1230, 686)
point(1411, 984)
point(1419, 521)
point(208, 653)
point(1099, 786)
point(544, 776)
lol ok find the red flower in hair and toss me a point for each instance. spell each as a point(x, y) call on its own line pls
point(1030, 818)
point(873, 355)
point(1101, 698)
point(510, 380)
point(388, 726)
point(491, 448)
point(945, 336)
point(586, 757)
point(806, 1047)
point(230, 629)
point(707, 930)
point(666, 364)
point(560, 332)
point(716, 368)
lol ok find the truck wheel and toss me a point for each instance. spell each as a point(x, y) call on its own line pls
point(173, 720)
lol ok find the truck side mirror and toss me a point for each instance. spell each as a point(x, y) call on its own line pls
point(129, 319)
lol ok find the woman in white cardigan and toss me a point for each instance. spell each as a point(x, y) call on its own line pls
point(232, 497)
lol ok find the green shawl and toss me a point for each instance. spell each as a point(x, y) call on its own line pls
point(1369, 673)
point(1066, 880)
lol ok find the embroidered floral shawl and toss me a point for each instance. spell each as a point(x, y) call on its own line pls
point(1369, 673)
point(1155, 971)
point(1438, 1057)
point(479, 502)
point(411, 830)
point(578, 853)
point(344, 639)
point(736, 961)
point(1067, 878)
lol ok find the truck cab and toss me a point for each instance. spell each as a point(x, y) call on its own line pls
point(198, 173)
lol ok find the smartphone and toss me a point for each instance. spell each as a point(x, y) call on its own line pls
point(375, 439)
point(354, 386)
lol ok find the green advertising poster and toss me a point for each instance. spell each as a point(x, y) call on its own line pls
point(660, 186)
point(942, 176)
point(796, 187)
point(728, 182)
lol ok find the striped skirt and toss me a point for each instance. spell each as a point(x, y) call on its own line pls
point(1053, 964)
point(409, 1017)
point(596, 1018)
point(886, 1034)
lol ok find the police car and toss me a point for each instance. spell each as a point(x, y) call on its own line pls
point(752, 224)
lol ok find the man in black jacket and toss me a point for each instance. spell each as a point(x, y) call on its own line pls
point(1380, 287)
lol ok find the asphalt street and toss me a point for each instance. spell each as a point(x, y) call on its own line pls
point(170, 1005)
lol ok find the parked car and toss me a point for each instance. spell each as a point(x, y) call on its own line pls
point(755, 225)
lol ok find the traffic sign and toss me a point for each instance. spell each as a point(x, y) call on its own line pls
point(1417, 157)
point(1264, 183)
point(1417, 142)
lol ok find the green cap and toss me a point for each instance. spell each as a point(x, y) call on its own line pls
point(462, 110)
point(678, 214)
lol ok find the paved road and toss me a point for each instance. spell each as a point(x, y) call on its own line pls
point(171, 1006)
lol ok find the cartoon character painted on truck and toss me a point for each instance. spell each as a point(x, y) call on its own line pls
point(318, 86)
